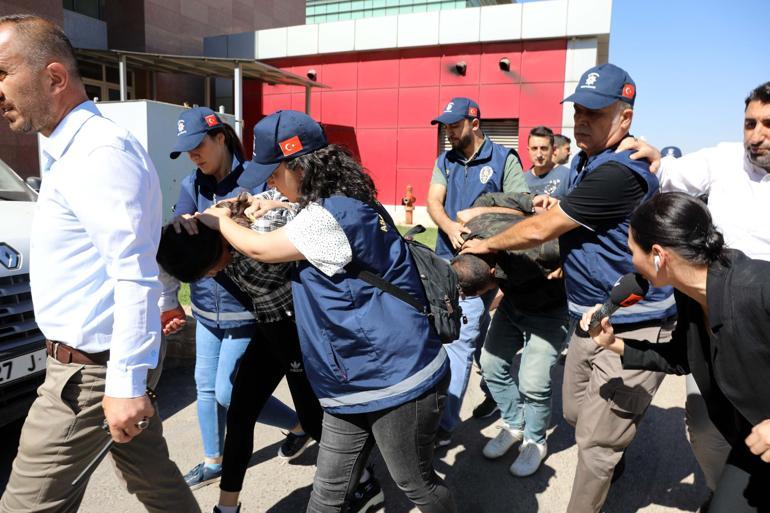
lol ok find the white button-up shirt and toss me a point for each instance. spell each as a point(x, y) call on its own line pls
point(739, 193)
point(94, 239)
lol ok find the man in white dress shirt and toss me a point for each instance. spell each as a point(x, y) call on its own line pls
point(94, 285)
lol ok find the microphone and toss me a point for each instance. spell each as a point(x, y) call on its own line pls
point(629, 290)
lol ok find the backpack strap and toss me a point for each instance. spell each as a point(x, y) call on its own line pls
point(378, 281)
point(381, 283)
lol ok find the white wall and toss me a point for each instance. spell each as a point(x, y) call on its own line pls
point(545, 19)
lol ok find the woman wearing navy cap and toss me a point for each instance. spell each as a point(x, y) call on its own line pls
point(375, 362)
point(224, 328)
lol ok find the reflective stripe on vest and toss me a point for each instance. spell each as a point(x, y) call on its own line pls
point(410, 383)
point(223, 316)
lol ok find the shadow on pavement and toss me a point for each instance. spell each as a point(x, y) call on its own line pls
point(176, 390)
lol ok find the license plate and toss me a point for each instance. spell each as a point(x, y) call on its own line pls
point(24, 365)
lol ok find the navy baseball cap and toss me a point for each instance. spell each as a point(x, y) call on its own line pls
point(671, 151)
point(192, 126)
point(458, 109)
point(284, 135)
point(601, 86)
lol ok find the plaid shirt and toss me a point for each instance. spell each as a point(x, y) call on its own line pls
point(267, 285)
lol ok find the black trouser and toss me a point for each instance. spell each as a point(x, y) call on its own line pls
point(744, 486)
point(274, 354)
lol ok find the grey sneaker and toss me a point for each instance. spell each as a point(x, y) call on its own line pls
point(293, 446)
point(201, 475)
point(531, 455)
point(504, 440)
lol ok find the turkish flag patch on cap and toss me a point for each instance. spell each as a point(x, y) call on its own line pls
point(628, 91)
point(211, 120)
point(473, 111)
point(290, 146)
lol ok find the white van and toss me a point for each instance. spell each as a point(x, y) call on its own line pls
point(22, 345)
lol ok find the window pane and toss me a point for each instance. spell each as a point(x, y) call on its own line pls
point(90, 70)
point(93, 91)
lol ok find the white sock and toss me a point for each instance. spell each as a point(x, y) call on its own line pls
point(227, 509)
point(364, 477)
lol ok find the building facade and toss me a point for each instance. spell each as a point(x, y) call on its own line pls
point(158, 26)
point(388, 76)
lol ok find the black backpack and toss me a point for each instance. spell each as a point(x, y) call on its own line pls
point(439, 280)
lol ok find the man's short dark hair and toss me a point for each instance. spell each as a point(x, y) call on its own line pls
point(189, 257)
point(760, 93)
point(541, 131)
point(42, 41)
point(560, 140)
point(473, 272)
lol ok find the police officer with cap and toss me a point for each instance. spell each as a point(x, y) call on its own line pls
point(474, 166)
point(602, 400)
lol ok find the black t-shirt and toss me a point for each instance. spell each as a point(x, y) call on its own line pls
point(610, 193)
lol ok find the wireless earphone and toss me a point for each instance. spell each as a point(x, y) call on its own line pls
point(656, 262)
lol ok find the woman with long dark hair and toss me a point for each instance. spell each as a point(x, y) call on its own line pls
point(224, 328)
point(374, 361)
point(722, 335)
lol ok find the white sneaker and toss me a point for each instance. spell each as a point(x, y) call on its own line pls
point(504, 440)
point(531, 455)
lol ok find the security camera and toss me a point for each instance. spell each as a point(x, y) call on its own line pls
point(312, 74)
point(461, 67)
point(505, 64)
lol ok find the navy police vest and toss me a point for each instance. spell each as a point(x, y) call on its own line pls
point(593, 261)
point(466, 181)
point(212, 303)
point(364, 349)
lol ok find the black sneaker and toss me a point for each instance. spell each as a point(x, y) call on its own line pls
point(367, 497)
point(443, 438)
point(487, 408)
point(201, 475)
point(293, 446)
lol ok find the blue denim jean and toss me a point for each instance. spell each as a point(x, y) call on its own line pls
point(217, 354)
point(461, 351)
point(524, 398)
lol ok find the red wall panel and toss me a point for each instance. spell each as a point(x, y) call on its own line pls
point(380, 103)
point(490, 63)
point(417, 147)
point(419, 67)
point(378, 108)
point(339, 107)
point(378, 71)
point(470, 54)
point(499, 101)
point(378, 149)
point(544, 61)
point(417, 106)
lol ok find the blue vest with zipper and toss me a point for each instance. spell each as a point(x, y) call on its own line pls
point(364, 349)
point(212, 304)
point(594, 261)
point(466, 181)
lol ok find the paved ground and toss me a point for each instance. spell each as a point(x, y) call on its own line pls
point(659, 475)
